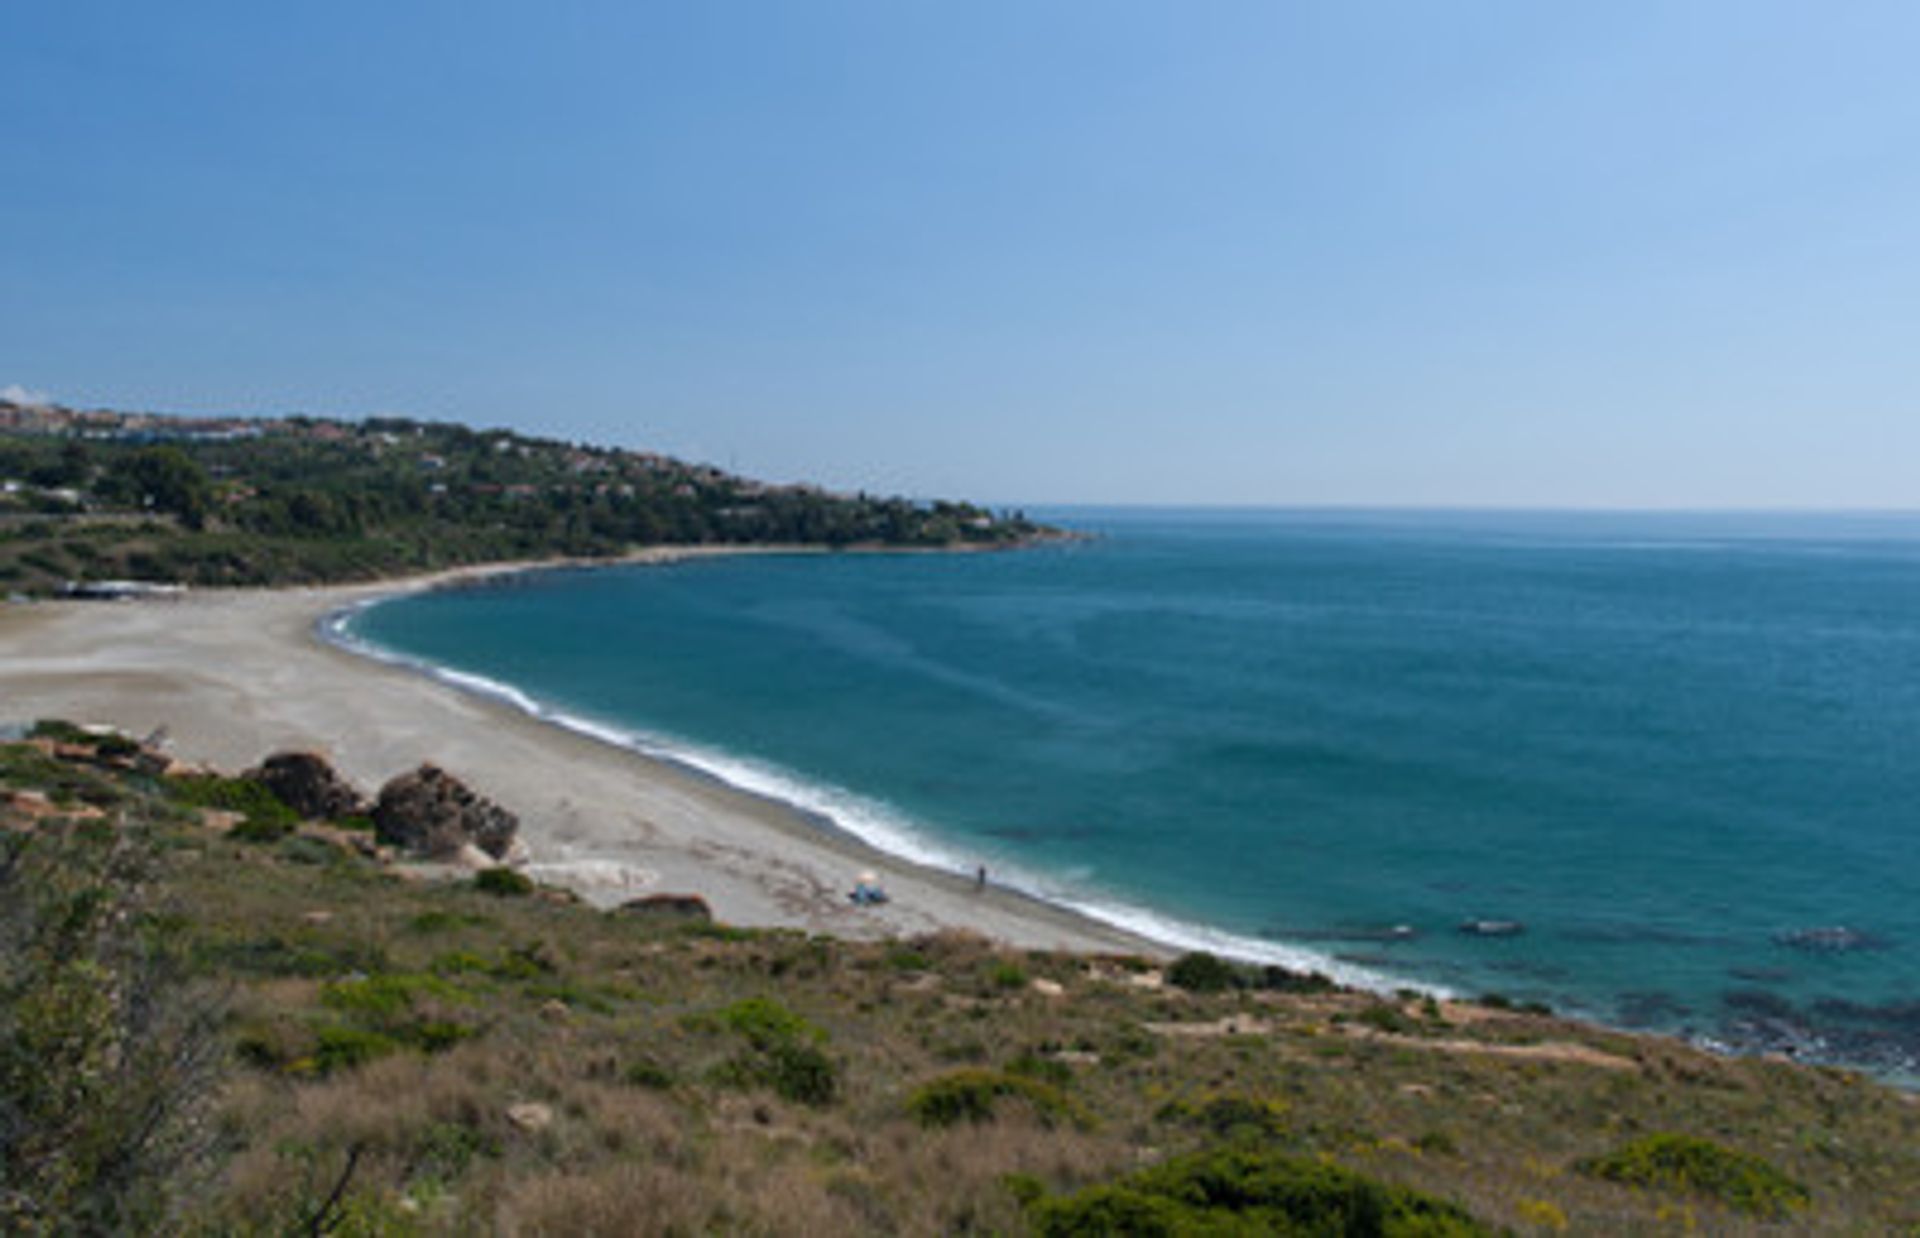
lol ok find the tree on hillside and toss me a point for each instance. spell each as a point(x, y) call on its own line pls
point(164, 479)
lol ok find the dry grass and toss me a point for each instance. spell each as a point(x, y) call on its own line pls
point(616, 1029)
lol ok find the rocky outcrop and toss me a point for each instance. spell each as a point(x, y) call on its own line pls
point(306, 783)
point(430, 813)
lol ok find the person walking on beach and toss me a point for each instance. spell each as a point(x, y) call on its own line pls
point(980, 878)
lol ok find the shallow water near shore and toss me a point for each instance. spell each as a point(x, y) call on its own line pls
point(1673, 755)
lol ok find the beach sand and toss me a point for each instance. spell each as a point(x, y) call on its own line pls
point(235, 675)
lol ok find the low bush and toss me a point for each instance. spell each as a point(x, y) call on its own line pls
point(1702, 1168)
point(765, 1023)
point(1228, 1115)
point(385, 996)
point(1387, 1017)
point(644, 1072)
point(502, 883)
point(1201, 972)
point(1249, 1190)
point(1048, 1070)
point(784, 1053)
point(264, 818)
point(343, 1048)
point(801, 1073)
point(1004, 975)
point(973, 1095)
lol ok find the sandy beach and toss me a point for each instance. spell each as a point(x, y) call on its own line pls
point(235, 675)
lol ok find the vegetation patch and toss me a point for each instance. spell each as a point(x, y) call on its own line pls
point(973, 1095)
point(783, 1053)
point(1200, 972)
point(1252, 1191)
point(1229, 1115)
point(604, 1073)
point(502, 883)
point(765, 1022)
point(1699, 1167)
point(264, 817)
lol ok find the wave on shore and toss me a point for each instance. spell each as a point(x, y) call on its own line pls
point(867, 821)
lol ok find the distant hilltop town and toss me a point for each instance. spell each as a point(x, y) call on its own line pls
point(99, 495)
point(29, 418)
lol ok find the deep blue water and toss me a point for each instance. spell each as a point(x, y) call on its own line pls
point(1663, 744)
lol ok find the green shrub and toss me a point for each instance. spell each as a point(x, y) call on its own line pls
point(1700, 1167)
point(388, 1006)
point(972, 1095)
point(260, 830)
point(343, 1048)
point(1201, 972)
point(1386, 1017)
point(1004, 975)
point(60, 731)
point(783, 1055)
point(103, 743)
point(644, 1072)
point(502, 882)
point(802, 1073)
point(1228, 1115)
point(1048, 1070)
point(384, 996)
point(264, 817)
point(444, 921)
point(274, 955)
point(506, 965)
point(1244, 1189)
point(765, 1023)
point(1285, 980)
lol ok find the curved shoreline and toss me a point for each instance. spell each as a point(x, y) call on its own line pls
point(235, 675)
point(890, 847)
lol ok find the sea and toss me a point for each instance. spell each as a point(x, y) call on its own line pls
point(1656, 770)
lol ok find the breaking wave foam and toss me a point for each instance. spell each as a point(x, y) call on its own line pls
point(871, 822)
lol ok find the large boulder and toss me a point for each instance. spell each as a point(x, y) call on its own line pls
point(306, 783)
point(431, 813)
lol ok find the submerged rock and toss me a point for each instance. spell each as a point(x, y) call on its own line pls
point(1830, 939)
point(306, 783)
point(431, 813)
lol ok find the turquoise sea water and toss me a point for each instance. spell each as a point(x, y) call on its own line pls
point(1679, 750)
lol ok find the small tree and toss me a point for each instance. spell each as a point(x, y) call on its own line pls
point(167, 480)
point(107, 1053)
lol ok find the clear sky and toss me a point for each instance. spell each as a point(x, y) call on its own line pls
point(1602, 254)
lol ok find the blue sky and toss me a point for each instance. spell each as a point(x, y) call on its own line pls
point(1619, 254)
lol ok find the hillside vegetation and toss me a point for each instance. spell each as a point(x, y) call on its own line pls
point(216, 1019)
point(104, 496)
